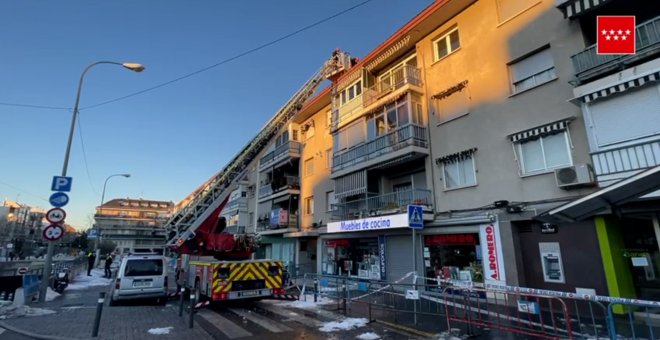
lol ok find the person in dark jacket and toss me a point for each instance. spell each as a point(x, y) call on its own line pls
point(90, 262)
point(108, 263)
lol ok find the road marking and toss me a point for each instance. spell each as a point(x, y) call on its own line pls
point(298, 318)
point(230, 329)
point(2, 330)
point(261, 321)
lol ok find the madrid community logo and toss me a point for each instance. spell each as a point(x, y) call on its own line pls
point(616, 34)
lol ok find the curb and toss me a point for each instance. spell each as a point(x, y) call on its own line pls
point(405, 329)
point(33, 335)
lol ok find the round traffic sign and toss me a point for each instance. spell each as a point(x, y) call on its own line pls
point(53, 232)
point(59, 199)
point(56, 215)
point(22, 270)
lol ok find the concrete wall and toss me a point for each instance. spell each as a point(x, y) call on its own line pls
point(487, 46)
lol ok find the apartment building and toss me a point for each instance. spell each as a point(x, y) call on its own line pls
point(619, 97)
point(133, 223)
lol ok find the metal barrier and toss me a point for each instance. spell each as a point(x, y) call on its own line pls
point(638, 320)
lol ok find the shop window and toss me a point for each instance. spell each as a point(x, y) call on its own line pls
point(447, 43)
point(532, 71)
point(352, 257)
point(544, 153)
point(551, 262)
point(454, 256)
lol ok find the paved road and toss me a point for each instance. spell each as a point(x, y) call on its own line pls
point(6, 334)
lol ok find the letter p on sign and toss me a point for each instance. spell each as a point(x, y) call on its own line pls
point(61, 183)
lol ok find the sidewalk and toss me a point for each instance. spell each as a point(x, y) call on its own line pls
point(72, 316)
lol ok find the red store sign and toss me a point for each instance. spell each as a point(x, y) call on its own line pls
point(451, 239)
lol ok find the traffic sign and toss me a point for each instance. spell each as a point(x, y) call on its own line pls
point(415, 216)
point(53, 232)
point(22, 270)
point(56, 215)
point(92, 234)
point(61, 183)
point(59, 199)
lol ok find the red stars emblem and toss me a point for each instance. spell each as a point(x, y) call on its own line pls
point(616, 34)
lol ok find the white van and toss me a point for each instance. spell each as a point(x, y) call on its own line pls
point(141, 276)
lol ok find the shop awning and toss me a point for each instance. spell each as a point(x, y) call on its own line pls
point(607, 200)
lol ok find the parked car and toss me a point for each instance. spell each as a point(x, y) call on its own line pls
point(141, 276)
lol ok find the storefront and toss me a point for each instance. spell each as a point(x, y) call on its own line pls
point(464, 253)
point(365, 248)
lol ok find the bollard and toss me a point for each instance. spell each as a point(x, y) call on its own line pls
point(316, 288)
point(183, 290)
point(97, 318)
point(192, 310)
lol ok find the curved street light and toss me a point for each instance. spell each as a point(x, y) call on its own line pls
point(49, 254)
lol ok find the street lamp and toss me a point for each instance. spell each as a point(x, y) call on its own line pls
point(49, 254)
point(98, 231)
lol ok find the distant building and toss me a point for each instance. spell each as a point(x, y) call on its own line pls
point(133, 223)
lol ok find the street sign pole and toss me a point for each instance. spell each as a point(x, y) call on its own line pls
point(414, 275)
point(415, 220)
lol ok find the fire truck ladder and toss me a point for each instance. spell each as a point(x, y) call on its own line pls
point(206, 199)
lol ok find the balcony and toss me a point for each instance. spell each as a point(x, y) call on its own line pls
point(588, 65)
point(383, 146)
point(285, 183)
point(285, 224)
point(383, 204)
point(399, 78)
point(283, 152)
point(239, 204)
point(616, 164)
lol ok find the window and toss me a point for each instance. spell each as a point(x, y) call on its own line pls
point(309, 166)
point(452, 103)
point(328, 158)
point(309, 205)
point(331, 201)
point(143, 267)
point(545, 153)
point(394, 115)
point(351, 92)
point(328, 119)
point(459, 172)
point(309, 129)
point(446, 44)
point(509, 8)
point(532, 71)
point(350, 136)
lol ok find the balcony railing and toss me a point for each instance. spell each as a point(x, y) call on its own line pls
point(282, 152)
point(398, 78)
point(588, 64)
point(408, 135)
point(382, 204)
point(265, 225)
point(240, 203)
point(628, 158)
point(286, 182)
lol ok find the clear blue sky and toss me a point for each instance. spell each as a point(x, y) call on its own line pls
point(175, 137)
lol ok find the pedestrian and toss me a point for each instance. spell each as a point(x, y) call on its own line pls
point(108, 263)
point(11, 256)
point(90, 262)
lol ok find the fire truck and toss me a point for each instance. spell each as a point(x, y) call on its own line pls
point(216, 264)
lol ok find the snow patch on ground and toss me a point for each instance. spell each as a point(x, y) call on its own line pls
point(344, 325)
point(309, 304)
point(83, 281)
point(160, 331)
point(51, 294)
point(452, 334)
point(7, 312)
point(368, 336)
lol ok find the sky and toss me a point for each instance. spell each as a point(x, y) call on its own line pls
point(172, 138)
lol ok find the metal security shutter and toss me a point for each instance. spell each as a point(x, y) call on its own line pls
point(399, 258)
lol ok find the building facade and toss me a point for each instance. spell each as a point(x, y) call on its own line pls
point(133, 223)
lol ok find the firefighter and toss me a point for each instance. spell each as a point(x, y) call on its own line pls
point(90, 262)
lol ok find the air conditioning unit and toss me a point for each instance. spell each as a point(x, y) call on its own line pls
point(574, 176)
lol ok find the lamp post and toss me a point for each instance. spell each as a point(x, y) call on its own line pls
point(98, 231)
point(49, 254)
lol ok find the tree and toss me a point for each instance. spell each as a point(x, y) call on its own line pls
point(80, 242)
point(107, 247)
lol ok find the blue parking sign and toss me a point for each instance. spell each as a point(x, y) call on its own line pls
point(61, 183)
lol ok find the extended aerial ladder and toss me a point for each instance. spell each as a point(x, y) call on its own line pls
point(200, 210)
